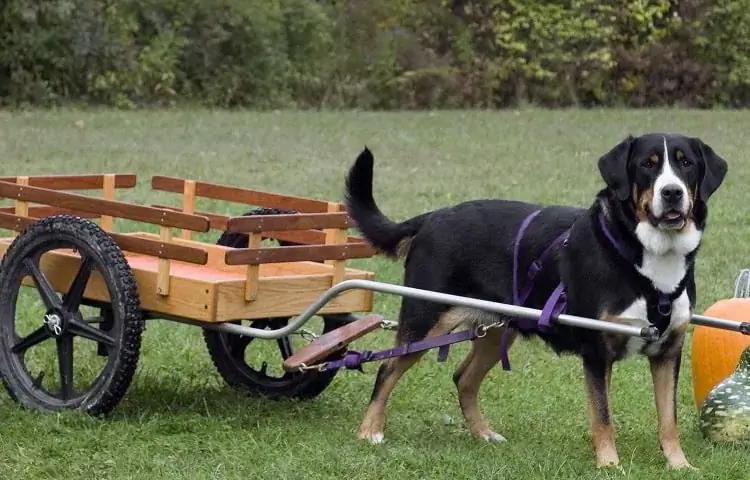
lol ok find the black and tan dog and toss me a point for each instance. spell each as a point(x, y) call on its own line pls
point(633, 248)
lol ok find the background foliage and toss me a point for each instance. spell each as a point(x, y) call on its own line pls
point(383, 54)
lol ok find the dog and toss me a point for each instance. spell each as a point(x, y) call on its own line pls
point(628, 258)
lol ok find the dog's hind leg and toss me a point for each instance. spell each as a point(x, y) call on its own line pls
point(389, 373)
point(483, 356)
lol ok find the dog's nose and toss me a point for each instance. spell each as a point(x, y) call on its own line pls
point(671, 192)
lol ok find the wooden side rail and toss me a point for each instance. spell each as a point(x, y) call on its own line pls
point(85, 203)
point(308, 237)
point(301, 253)
point(77, 182)
point(301, 221)
point(168, 251)
point(39, 211)
point(239, 195)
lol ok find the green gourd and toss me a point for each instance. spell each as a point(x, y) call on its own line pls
point(725, 413)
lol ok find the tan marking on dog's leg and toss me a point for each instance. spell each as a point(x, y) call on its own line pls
point(600, 418)
point(663, 373)
point(388, 375)
point(484, 355)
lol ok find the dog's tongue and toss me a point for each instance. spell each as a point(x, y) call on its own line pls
point(672, 215)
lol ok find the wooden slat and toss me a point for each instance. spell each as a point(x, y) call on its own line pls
point(308, 237)
point(39, 211)
point(240, 195)
point(76, 182)
point(127, 243)
point(302, 253)
point(108, 192)
point(331, 342)
point(301, 221)
point(253, 271)
point(188, 205)
point(101, 206)
point(163, 267)
point(336, 236)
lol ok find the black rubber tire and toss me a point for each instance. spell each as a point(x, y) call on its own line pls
point(127, 320)
point(238, 374)
point(231, 364)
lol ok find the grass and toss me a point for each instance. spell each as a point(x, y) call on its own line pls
point(179, 420)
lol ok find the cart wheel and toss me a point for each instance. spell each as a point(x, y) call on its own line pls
point(60, 323)
point(249, 370)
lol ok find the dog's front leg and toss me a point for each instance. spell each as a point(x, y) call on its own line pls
point(598, 374)
point(665, 371)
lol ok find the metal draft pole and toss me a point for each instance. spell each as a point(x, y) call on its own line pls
point(649, 333)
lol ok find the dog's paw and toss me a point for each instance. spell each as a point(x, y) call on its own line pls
point(607, 459)
point(493, 437)
point(375, 438)
point(677, 461)
point(684, 465)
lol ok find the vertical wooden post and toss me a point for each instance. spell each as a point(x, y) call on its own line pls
point(108, 192)
point(163, 267)
point(21, 207)
point(188, 204)
point(253, 271)
point(336, 236)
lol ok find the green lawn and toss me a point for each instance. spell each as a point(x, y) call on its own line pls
point(179, 420)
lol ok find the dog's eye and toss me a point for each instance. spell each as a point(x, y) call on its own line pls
point(647, 163)
point(687, 163)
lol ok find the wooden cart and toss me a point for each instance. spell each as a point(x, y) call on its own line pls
point(62, 242)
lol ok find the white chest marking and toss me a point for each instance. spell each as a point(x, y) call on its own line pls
point(664, 254)
point(637, 315)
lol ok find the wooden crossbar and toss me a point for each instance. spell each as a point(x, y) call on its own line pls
point(170, 251)
point(300, 221)
point(76, 182)
point(301, 253)
point(39, 211)
point(309, 237)
point(102, 206)
point(240, 195)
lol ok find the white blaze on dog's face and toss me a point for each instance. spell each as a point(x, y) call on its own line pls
point(671, 204)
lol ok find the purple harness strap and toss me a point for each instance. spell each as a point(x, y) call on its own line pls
point(556, 302)
point(353, 359)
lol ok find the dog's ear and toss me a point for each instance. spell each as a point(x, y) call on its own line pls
point(613, 167)
point(714, 169)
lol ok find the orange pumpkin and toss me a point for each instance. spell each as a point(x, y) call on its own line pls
point(715, 352)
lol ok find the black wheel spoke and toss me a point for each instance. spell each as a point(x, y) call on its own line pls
point(285, 346)
point(65, 360)
point(34, 338)
point(46, 290)
point(85, 330)
point(93, 320)
point(238, 344)
point(72, 300)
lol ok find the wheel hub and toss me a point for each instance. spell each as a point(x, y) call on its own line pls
point(55, 323)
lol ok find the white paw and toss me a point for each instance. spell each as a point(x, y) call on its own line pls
point(375, 438)
point(493, 437)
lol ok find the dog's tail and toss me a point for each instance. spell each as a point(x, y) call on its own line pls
point(383, 234)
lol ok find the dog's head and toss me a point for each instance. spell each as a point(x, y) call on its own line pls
point(668, 178)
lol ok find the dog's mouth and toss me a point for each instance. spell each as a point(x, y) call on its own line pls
point(671, 220)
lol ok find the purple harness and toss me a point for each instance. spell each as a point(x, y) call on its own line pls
point(554, 306)
point(556, 302)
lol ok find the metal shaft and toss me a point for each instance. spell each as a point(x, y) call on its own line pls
point(649, 332)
